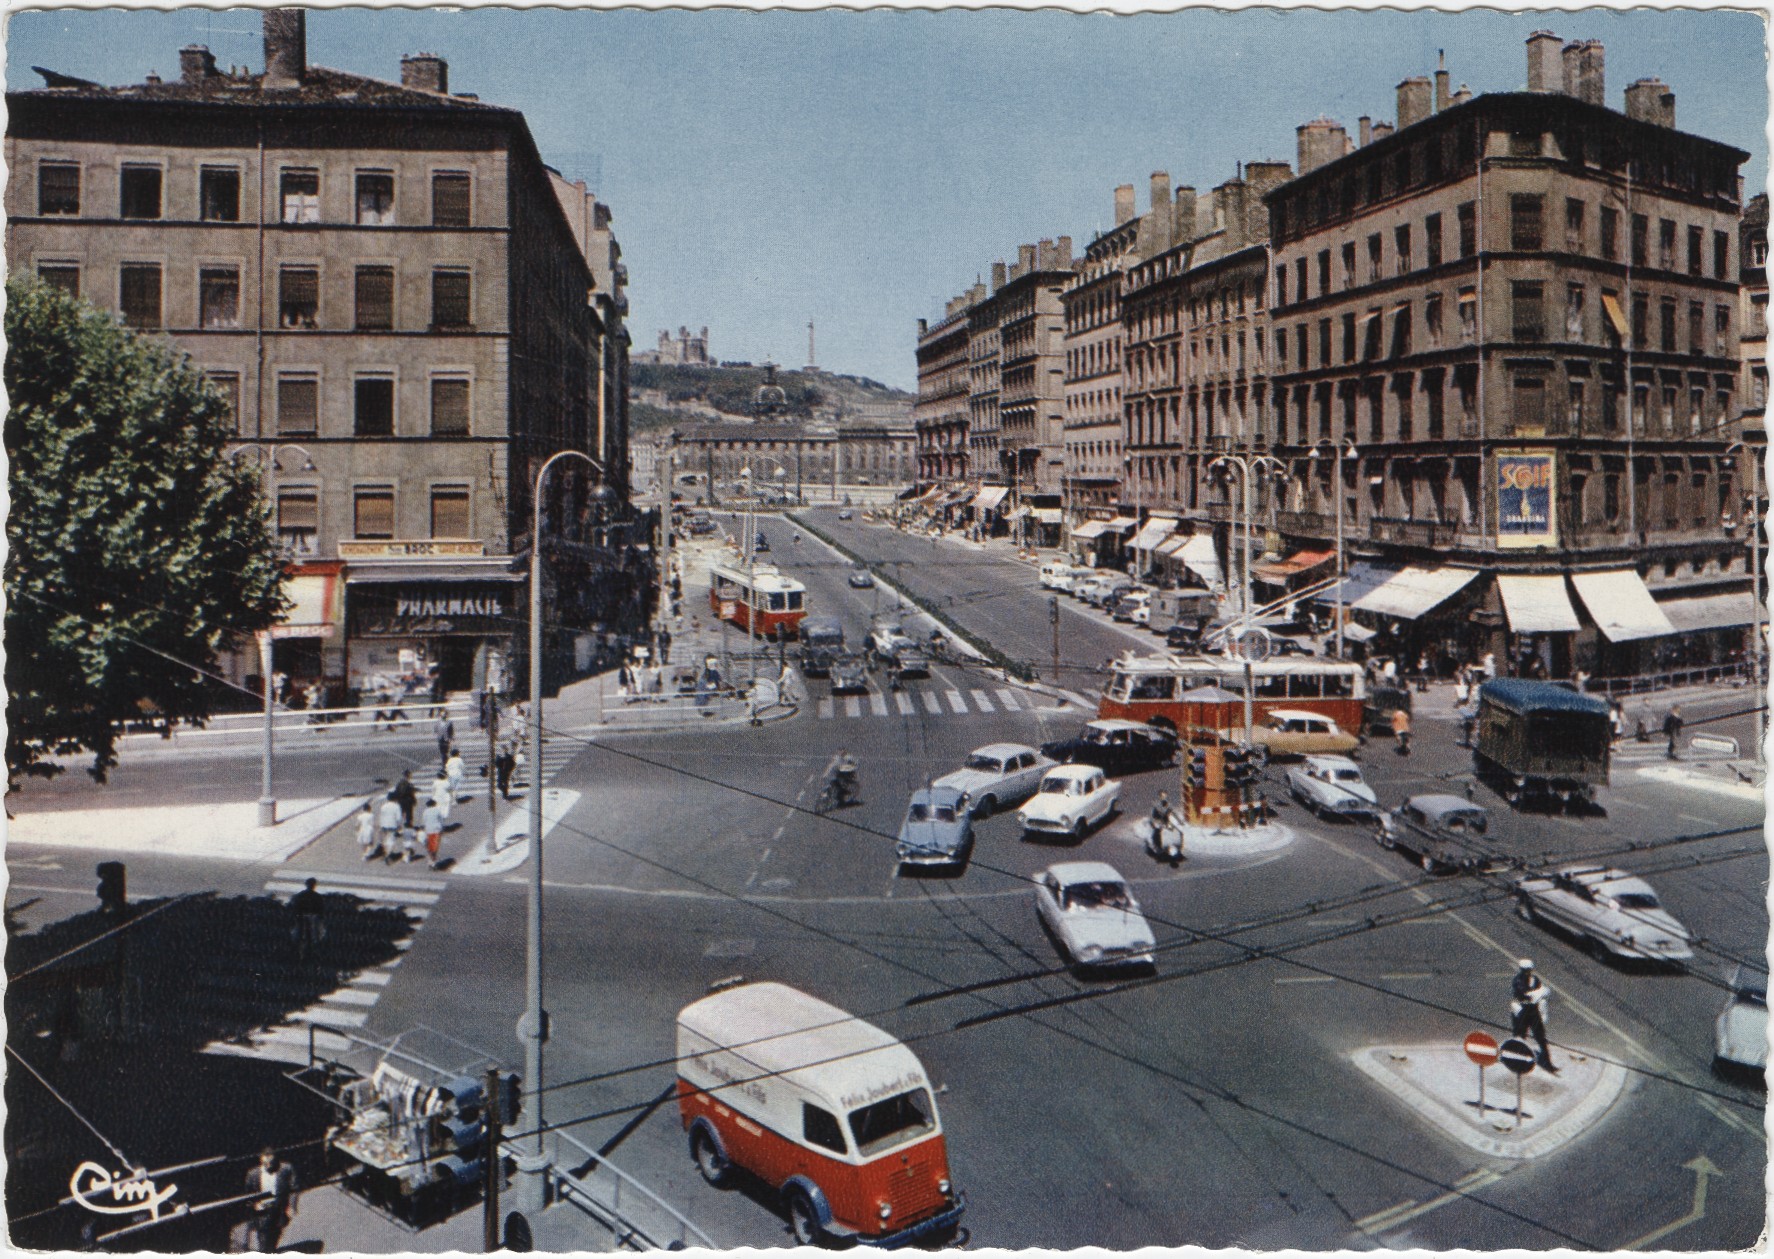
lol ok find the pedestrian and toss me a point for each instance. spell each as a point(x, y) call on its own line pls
point(1489, 665)
point(1527, 1009)
point(664, 645)
point(433, 821)
point(308, 905)
point(1422, 673)
point(455, 771)
point(1401, 730)
point(1672, 729)
point(445, 730)
point(274, 1183)
point(368, 841)
point(503, 764)
point(1616, 720)
point(1462, 689)
point(440, 795)
point(622, 680)
point(407, 794)
point(388, 823)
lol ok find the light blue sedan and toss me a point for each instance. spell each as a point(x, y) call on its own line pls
point(938, 829)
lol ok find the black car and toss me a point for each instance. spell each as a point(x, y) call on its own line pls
point(822, 642)
point(1182, 638)
point(1116, 747)
point(761, 545)
point(861, 579)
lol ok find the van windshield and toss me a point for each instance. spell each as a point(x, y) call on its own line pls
point(892, 1121)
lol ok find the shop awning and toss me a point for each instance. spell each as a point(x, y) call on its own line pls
point(1616, 316)
point(989, 498)
point(1048, 515)
point(1090, 529)
point(1121, 524)
point(1406, 591)
point(1355, 632)
point(311, 607)
point(1152, 533)
point(1298, 562)
point(1172, 544)
point(492, 569)
point(1537, 605)
point(1623, 609)
point(1709, 612)
point(1021, 513)
point(1198, 557)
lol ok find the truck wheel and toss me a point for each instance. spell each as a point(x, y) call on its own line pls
point(803, 1219)
point(713, 1165)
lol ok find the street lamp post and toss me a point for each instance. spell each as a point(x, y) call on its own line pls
point(268, 456)
point(1249, 466)
point(533, 1027)
point(1337, 493)
point(1753, 521)
point(751, 564)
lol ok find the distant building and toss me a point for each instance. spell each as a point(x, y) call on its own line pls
point(684, 350)
point(940, 414)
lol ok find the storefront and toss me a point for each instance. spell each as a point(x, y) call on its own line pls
point(1153, 534)
point(307, 646)
point(418, 623)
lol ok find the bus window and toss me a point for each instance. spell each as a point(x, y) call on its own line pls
point(1154, 686)
point(794, 600)
point(1304, 686)
point(1271, 686)
point(778, 601)
point(1339, 686)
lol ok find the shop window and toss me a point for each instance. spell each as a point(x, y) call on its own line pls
point(299, 195)
point(139, 294)
point(298, 521)
point(218, 194)
point(374, 406)
point(450, 199)
point(375, 298)
point(298, 404)
point(60, 275)
point(450, 299)
point(139, 192)
point(375, 198)
point(58, 188)
point(218, 297)
point(449, 407)
point(373, 513)
point(449, 512)
point(298, 297)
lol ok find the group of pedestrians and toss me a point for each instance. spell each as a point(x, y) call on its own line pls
point(396, 829)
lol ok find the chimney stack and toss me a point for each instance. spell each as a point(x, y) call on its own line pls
point(998, 277)
point(1546, 70)
point(1182, 216)
point(1572, 56)
point(1320, 141)
point(1367, 130)
point(924, 324)
point(1062, 253)
point(286, 47)
point(1155, 228)
point(1413, 101)
point(1650, 100)
point(1025, 261)
point(1442, 99)
point(1123, 203)
point(425, 72)
point(1381, 131)
point(196, 63)
point(1463, 95)
point(1591, 74)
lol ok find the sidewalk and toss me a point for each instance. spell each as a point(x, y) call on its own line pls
point(339, 1224)
point(227, 831)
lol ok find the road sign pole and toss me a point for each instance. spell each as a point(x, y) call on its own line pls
point(1518, 1080)
point(1481, 1105)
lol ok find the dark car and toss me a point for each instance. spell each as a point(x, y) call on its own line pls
point(1116, 747)
point(822, 642)
point(1446, 834)
point(846, 514)
point(913, 663)
point(861, 578)
point(1381, 703)
point(761, 545)
point(1182, 638)
point(701, 526)
point(848, 675)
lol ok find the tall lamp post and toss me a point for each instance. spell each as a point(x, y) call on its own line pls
point(751, 560)
point(268, 457)
point(1337, 492)
point(1752, 519)
point(1249, 466)
point(533, 1028)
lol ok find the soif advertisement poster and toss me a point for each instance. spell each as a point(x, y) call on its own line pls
point(1525, 499)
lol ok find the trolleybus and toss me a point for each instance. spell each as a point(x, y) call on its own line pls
point(758, 600)
point(1158, 689)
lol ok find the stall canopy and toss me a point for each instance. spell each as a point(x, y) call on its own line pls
point(1623, 609)
point(1021, 513)
point(1537, 605)
point(1172, 544)
point(1198, 557)
point(989, 498)
point(311, 605)
point(1048, 515)
point(1709, 612)
point(1406, 591)
point(1299, 562)
point(1152, 533)
point(1121, 524)
point(1090, 529)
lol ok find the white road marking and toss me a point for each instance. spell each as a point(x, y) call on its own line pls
point(852, 707)
point(1392, 1217)
point(825, 708)
point(955, 701)
point(1007, 697)
point(905, 703)
point(983, 702)
point(932, 704)
point(878, 703)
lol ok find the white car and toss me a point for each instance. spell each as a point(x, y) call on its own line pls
point(1093, 916)
point(1615, 912)
point(1741, 1032)
point(1058, 576)
point(888, 638)
point(998, 776)
point(1072, 799)
point(1142, 613)
point(1332, 786)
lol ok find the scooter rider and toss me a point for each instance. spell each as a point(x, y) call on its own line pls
point(1167, 830)
point(842, 778)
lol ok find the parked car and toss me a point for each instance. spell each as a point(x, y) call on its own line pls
point(1056, 575)
point(1085, 587)
point(861, 578)
point(846, 514)
point(822, 642)
point(1120, 747)
point(1122, 606)
point(912, 662)
point(700, 526)
point(1445, 833)
point(998, 776)
point(1101, 594)
point(1296, 732)
point(1282, 645)
point(1740, 1034)
point(1094, 918)
point(761, 544)
point(1071, 800)
point(888, 638)
point(1184, 638)
point(1332, 786)
point(849, 675)
point(1615, 912)
point(938, 828)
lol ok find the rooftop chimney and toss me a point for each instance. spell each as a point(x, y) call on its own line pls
point(1062, 253)
point(1025, 260)
point(1182, 216)
point(1367, 131)
point(196, 63)
point(425, 72)
point(1414, 96)
point(1381, 131)
point(1123, 203)
point(286, 47)
point(1572, 56)
point(1463, 95)
point(1442, 99)
point(1546, 70)
point(1320, 141)
point(1155, 228)
point(1650, 100)
point(997, 276)
point(1591, 76)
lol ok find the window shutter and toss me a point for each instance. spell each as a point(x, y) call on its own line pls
point(449, 407)
point(374, 514)
point(449, 513)
point(298, 404)
point(58, 188)
point(449, 200)
point(141, 296)
point(375, 298)
point(449, 299)
point(298, 510)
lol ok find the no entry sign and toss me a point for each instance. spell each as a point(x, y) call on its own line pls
point(1481, 1047)
point(1516, 1056)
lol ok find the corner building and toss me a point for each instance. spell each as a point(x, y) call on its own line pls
point(1504, 348)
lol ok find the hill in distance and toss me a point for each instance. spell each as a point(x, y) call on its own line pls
point(667, 394)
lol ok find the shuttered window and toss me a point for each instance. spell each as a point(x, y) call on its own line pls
point(449, 512)
point(1526, 221)
point(298, 297)
point(139, 295)
point(218, 297)
point(58, 188)
point(373, 513)
point(298, 404)
point(375, 298)
point(449, 407)
point(226, 385)
point(60, 275)
point(449, 299)
point(449, 199)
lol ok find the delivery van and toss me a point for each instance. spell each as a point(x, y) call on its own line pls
point(831, 1113)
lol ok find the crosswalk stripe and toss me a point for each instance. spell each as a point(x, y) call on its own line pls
point(853, 707)
point(1007, 697)
point(878, 703)
point(983, 702)
point(375, 978)
point(383, 894)
point(956, 702)
point(332, 1017)
point(826, 711)
point(932, 704)
point(353, 996)
point(905, 703)
point(399, 884)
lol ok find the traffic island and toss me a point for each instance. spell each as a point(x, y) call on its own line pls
point(1440, 1084)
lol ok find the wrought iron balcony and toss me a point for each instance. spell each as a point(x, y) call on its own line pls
point(1434, 533)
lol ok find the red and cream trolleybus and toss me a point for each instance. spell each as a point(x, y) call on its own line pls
point(1168, 689)
point(830, 1112)
point(758, 600)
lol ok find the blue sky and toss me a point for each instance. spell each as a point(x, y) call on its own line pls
point(858, 169)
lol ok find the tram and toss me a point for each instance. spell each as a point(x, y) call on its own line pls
point(1155, 689)
point(758, 600)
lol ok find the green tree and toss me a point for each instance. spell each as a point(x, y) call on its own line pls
point(136, 549)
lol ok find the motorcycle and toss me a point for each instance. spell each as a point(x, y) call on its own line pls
point(1163, 843)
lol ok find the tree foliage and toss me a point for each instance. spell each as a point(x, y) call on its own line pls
point(132, 542)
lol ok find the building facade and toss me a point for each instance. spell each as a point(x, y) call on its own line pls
point(1094, 350)
point(1031, 375)
point(803, 461)
point(1504, 340)
point(983, 342)
point(343, 258)
point(940, 415)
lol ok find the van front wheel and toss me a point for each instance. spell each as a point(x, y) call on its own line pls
point(803, 1219)
point(713, 1164)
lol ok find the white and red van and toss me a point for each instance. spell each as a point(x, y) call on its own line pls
point(831, 1112)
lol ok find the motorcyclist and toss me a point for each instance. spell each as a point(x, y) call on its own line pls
point(893, 674)
point(841, 778)
point(1167, 830)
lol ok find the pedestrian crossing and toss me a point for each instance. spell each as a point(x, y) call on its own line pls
point(935, 702)
point(348, 1006)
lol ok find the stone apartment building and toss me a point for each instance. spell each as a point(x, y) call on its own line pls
point(983, 343)
point(1504, 351)
point(380, 279)
point(1094, 346)
point(591, 221)
point(940, 415)
point(1031, 379)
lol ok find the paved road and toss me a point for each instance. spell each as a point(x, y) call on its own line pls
point(1217, 1107)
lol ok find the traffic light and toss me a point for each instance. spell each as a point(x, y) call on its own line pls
point(1195, 771)
point(511, 1097)
point(1241, 766)
point(113, 890)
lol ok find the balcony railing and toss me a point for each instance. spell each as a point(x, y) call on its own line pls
point(1309, 524)
point(1412, 532)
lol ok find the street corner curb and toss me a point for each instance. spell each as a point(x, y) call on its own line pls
point(1680, 776)
point(1432, 1080)
point(1269, 837)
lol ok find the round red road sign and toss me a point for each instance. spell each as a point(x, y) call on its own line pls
point(1481, 1047)
point(1516, 1056)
